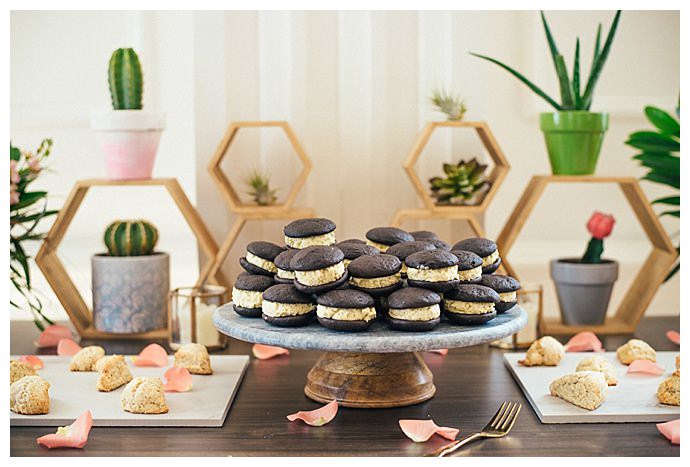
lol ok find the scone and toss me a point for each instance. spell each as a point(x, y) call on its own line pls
point(86, 358)
point(194, 357)
point(635, 349)
point(669, 390)
point(113, 372)
point(546, 351)
point(600, 364)
point(144, 395)
point(20, 369)
point(29, 396)
point(586, 389)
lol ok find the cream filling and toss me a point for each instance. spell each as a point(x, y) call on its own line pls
point(321, 276)
point(491, 259)
point(433, 275)
point(246, 298)
point(375, 282)
point(468, 308)
point(283, 274)
point(303, 242)
point(426, 313)
point(403, 270)
point(262, 263)
point(470, 274)
point(379, 246)
point(508, 296)
point(277, 310)
point(346, 314)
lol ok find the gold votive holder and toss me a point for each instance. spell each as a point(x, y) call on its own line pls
point(529, 298)
point(190, 316)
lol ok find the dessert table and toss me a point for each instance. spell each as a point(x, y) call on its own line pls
point(471, 383)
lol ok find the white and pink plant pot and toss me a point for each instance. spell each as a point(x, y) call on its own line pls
point(129, 141)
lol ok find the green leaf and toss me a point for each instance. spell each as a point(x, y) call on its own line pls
point(671, 200)
point(27, 199)
point(656, 177)
point(670, 213)
point(598, 65)
point(576, 76)
point(15, 153)
point(650, 141)
point(22, 258)
point(597, 46)
point(566, 93)
point(663, 121)
point(660, 160)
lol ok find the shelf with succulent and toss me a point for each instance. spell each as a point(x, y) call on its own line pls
point(260, 190)
point(464, 184)
point(573, 133)
point(128, 135)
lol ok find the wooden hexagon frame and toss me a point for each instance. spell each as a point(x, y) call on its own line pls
point(60, 281)
point(231, 196)
point(646, 282)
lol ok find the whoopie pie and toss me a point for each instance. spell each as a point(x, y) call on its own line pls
point(376, 274)
point(285, 274)
point(440, 244)
point(470, 304)
point(284, 305)
point(506, 287)
point(383, 237)
point(247, 294)
point(424, 235)
point(350, 240)
point(405, 249)
point(483, 247)
point(435, 270)
point(319, 269)
point(345, 310)
point(353, 251)
point(302, 233)
point(413, 309)
point(469, 266)
point(259, 258)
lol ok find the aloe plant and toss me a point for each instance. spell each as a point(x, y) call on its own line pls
point(125, 80)
point(572, 95)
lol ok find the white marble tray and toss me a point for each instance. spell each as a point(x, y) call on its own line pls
point(71, 393)
point(632, 400)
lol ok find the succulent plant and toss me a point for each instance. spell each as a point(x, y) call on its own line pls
point(130, 238)
point(464, 183)
point(260, 189)
point(449, 104)
point(125, 80)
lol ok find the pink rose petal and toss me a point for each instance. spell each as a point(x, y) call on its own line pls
point(671, 430)
point(151, 355)
point(317, 417)
point(583, 342)
point(673, 336)
point(74, 436)
point(420, 431)
point(35, 362)
point(264, 352)
point(440, 351)
point(645, 367)
point(51, 336)
point(67, 347)
point(177, 380)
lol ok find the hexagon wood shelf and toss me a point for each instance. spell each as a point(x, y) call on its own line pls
point(646, 282)
point(60, 281)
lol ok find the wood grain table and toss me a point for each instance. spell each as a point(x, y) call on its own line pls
point(471, 383)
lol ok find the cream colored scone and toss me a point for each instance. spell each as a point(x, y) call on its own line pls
point(194, 357)
point(20, 369)
point(600, 364)
point(546, 351)
point(29, 396)
point(86, 358)
point(113, 372)
point(635, 349)
point(145, 396)
point(669, 390)
point(586, 389)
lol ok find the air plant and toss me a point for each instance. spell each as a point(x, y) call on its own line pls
point(260, 189)
point(464, 183)
point(451, 105)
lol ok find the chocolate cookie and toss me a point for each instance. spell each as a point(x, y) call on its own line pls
point(376, 275)
point(383, 237)
point(284, 305)
point(440, 244)
point(470, 304)
point(483, 247)
point(469, 266)
point(319, 269)
point(302, 233)
point(413, 309)
point(353, 250)
point(346, 310)
point(506, 287)
point(246, 294)
point(424, 235)
point(351, 240)
point(260, 257)
point(285, 274)
point(435, 270)
point(405, 249)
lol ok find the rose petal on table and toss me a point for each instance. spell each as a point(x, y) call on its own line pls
point(583, 342)
point(645, 367)
point(177, 380)
point(673, 336)
point(51, 335)
point(151, 355)
point(317, 417)
point(74, 436)
point(35, 362)
point(440, 351)
point(420, 431)
point(671, 430)
point(264, 352)
point(67, 347)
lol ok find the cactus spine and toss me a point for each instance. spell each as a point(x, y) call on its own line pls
point(125, 80)
point(130, 238)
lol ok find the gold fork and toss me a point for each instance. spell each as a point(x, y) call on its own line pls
point(499, 426)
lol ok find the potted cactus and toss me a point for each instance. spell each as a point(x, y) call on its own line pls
point(128, 135)
point(131, 281)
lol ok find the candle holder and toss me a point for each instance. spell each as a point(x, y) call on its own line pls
point(530, 299)
point(190, 316)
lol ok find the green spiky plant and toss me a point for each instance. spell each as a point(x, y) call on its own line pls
point(126, 80)
point(260, 189)
point(464, 183)
point(572, 97)
point(451, 105)
point(130, 238)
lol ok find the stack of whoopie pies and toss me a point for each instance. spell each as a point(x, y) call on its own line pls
point(410, 280)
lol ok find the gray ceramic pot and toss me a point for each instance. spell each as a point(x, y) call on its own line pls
point(130, 293)
point(583, 290)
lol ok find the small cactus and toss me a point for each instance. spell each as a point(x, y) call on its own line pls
point(465, 183)
point(125, 80)
point(130, 238)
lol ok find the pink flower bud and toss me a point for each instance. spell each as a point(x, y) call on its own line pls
point(600, 225)
point(14, 195)
point(14, 173)
point(34, 163)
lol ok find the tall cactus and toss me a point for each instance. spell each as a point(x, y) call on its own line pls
point(125, 80)
point(130, 238)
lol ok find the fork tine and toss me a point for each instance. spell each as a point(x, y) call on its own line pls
point(509, 407)
point(497, 415)
point(508, 418)
point(512, 422)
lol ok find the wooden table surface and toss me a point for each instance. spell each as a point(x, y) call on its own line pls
point(471, 383)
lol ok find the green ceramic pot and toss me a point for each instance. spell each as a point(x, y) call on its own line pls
point(573, 140)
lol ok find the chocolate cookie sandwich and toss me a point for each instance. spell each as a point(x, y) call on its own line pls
point(413, 309)
point(435, 270)
point(284, 305)
point(376, 275)
point(506, 287)
point(247, 294)
point(424, 235)
point(319, 269)
point(440, 244)
point(309, 232)
point(345, 310)
point(353, 251)
point(469, 266)
point(484, 248)
point(259, 258)
point(405, 249)
point(350, 240)
point(470, 304)
point(284, 273)
point(383, 237)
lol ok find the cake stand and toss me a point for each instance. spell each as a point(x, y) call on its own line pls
point(373, 369)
